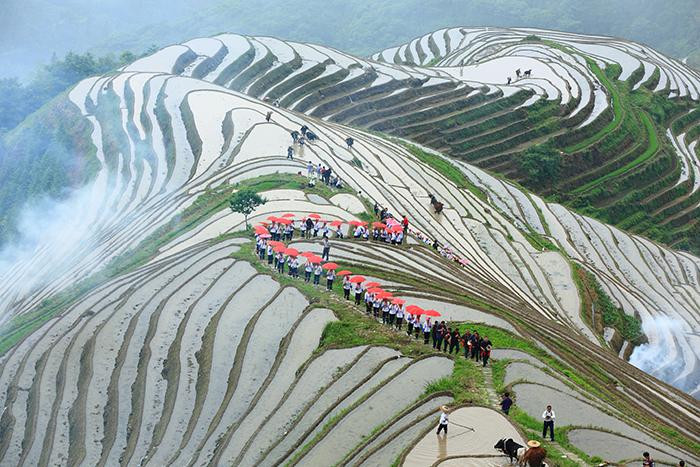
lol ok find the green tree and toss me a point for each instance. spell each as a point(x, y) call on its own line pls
point(541, 164)
point(245, 201)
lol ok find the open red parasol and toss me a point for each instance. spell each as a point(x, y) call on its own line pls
point(357, 279)
point(291, 252)
point(432, 313)
point(330, 266)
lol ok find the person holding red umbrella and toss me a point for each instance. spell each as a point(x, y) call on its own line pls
point(376, 306)
point(399, 315)
point(392, 313)
point(294, 268)
point(358, 293)
point(346, 287)
point(270, 254)
point(280, 262)
point(369, 302)
point(409, 323)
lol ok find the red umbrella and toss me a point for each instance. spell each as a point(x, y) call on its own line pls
point(357, 279)
point(344, 272)
point(313, 259)
point(275, 243)
point(280, 248)
point(285, 221)
point(414, 309)
point(432, 313)
point(369, 285)
point(357, 223)
point(273, 218)
point(398, 301)
point(379, 225)
point(375, 290)
point(265, 235)
point(336, 223)
point(330, 266)
point(291, 252)
point(383, 295)
point(314, 216)
point(306, 254)
point(396, 229)
point(289, 214)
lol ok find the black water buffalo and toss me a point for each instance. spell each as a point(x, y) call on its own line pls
point(510, 448)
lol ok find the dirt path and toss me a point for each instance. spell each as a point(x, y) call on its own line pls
point(494, 400)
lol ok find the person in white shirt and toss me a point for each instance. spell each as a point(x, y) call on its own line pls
point(426, 331)
point(444, 419)
point(307, 271)
point(399, 316)
point(317, 274)
point(548, 417)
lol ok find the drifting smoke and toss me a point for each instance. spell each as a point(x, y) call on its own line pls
point(52, 232)
point(654, 358)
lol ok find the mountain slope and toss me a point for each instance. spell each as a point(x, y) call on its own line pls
point(140, 369)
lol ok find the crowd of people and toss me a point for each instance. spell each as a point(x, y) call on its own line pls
point(378, 303)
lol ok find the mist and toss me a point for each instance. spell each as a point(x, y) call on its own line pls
point(52, 232)
point(31, 31)
point(654, 358)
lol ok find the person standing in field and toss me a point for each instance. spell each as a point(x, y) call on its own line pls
point(444, 420)
point(548, 417)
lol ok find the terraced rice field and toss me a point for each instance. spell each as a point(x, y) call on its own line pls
point(197, 357)
point(586, 96)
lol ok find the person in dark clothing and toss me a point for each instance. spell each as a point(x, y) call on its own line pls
point(506, 402)
point(295, 135)
point(304, 129)
point(437, 343)
point(454, 341)
point(268, 116)
point(447, 339)
point(485, 350)
point(433, 332)
point(409, 326)
point(290, 153)
point(327, 175)
point(475, 345)
point(349, 141)
point(309, 227)
point(376, 208)
point(435, 245)
point(647, 460)
point(465, 343)
point(330, 277)
point(311, 136)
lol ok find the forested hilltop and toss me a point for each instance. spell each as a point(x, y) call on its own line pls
point(358, 27)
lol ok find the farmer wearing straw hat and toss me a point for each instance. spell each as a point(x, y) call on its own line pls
point(444, 419)
point(535, 454)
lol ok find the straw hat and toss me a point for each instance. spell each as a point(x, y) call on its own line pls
point(444, 408)
point(533, 444)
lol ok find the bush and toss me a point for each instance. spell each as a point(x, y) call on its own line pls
point(541, 165)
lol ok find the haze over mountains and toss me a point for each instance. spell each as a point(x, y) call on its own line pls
point(33, 30)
